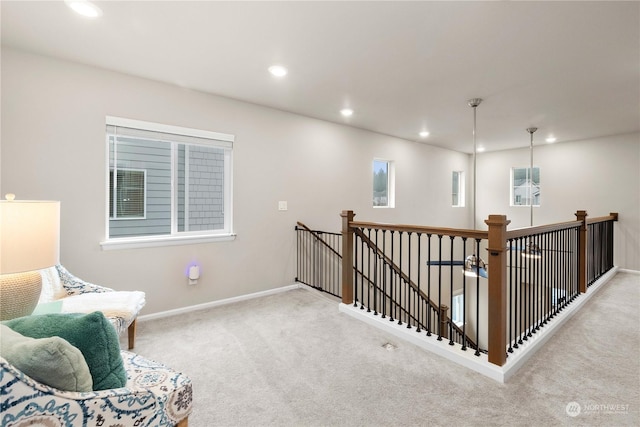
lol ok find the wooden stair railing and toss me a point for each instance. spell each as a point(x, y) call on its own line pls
point(409, 282)
point(447, 320)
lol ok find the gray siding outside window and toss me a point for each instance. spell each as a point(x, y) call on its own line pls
point(155, 158)
point(202, 194)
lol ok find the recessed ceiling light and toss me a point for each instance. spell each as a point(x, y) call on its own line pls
point(480, 149)
point(346, 112)
point(278, 70)
point(84, 8)
point(551, 139)
point(424, 134)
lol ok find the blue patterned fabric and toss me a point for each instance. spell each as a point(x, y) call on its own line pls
point(154, 395)
point(76, 286)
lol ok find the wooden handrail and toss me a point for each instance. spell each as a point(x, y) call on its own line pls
point(497, 246)
point(530, 231)
point(473, 234)
point(613, 216)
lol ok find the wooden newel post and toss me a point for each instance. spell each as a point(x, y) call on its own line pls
point(347, 257)
point(497, 293)
point(582, 252)
point(444, 330)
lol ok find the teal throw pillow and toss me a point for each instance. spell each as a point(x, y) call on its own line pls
point(91, 333)
point(50, 361)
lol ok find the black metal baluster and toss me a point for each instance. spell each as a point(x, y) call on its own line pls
point(545, 275)
point(368, 272)
point(384, 276)
point(510, 244)
point(464, 297)
point(400, 280)
point(556, 272)
point(392, 293)
point(355, 272)
point(477, 353)
point(429, 308)
point(522, 312)
point(409, 289)
point(419, 296)
point(376, 275)
point(562, 269)
point(535, 283)
point(451, 291)
point(439, 287)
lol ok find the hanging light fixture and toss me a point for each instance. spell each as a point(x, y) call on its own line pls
point(531, 250)
point(474, 266)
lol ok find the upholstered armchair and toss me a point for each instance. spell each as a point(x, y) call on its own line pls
point(63, 292)
point(154, 396)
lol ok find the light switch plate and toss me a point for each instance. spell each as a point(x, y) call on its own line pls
point(282, 205)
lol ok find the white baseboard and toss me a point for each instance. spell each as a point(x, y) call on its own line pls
point(176, 311)
point(467, 358)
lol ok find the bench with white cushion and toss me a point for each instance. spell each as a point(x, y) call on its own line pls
point(71, 294)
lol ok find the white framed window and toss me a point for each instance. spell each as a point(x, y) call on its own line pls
point(166, 185)
point(457, 189)
point(525, 186)
point(383, 184)
point(457, 308)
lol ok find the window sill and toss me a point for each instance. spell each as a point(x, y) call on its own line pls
point(150, 242)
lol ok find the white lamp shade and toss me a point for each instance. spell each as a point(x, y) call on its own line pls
point(29, 235)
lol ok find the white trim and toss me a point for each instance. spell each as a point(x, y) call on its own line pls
point(211, 304)
point(467, 358)
point(228, 189)
point(166, 240)
point(159, 127)
point(626, 270)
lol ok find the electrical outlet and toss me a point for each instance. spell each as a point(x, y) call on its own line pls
point(282, 205)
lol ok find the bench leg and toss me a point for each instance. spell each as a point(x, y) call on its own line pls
point(183, 423)
point(132, 333)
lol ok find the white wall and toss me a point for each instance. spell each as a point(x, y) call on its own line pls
point(53, 147)
point(599, 175)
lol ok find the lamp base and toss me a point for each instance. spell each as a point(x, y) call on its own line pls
point(19, 294)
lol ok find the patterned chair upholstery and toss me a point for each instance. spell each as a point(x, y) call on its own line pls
point(78, 296)
point(154, 396)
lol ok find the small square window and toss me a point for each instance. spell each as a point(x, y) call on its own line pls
point(525, 188)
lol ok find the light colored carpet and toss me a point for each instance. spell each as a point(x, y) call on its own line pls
point(292, 359)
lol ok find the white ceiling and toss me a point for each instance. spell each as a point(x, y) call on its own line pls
point(570, 68)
